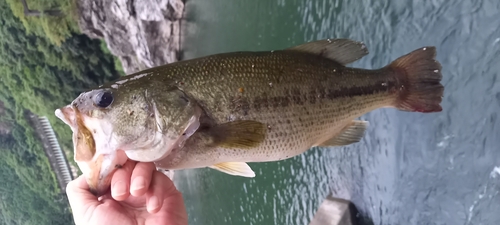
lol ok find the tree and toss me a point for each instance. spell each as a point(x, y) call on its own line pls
point(39, 76)
point(52, 19)
point(49, 12)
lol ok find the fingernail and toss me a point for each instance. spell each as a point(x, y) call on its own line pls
point(138, 183)
point(153, 203)
point(119, 188)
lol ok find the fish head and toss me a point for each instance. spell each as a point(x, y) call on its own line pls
point(113, 125)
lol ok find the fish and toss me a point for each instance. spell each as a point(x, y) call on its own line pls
point(226, 110)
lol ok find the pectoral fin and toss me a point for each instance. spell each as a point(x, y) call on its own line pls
point(239, 134)
point(352, 133)
point(235, 168)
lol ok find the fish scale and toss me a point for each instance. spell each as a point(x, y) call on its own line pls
point(312, 117)
point(222, 111)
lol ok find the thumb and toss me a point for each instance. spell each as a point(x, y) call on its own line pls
point(81, 200)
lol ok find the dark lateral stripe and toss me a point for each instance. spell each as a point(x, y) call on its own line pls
point(356, 91)
point(314, 96)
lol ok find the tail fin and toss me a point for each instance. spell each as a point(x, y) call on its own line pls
point(419, 76)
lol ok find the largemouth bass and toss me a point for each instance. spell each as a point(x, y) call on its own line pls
point(224, 110)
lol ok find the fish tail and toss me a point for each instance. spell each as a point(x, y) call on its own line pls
point(419, 76)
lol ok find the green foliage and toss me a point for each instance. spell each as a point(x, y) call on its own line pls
point(29, 191)
point(56, 28)
point(38, 75)
point(118, 63)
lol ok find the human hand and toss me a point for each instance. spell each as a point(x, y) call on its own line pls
point(140, 195)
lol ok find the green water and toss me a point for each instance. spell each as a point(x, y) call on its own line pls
point(410, 168)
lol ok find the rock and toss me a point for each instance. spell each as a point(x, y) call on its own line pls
point(335, 211)
point(141, 33)
point(148, 10)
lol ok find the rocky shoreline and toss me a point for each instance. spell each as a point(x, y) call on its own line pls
point(141, 33)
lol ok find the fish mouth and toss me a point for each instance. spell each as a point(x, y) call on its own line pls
point(83, 140)
point(97, 168)
point(97, 186)
point(101, 170)
point(67, 115)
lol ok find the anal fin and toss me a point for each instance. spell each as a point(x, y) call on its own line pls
point(352, 133)
point(234, 168)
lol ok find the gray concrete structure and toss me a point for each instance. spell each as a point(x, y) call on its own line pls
point(57, 158)
point(334, 211)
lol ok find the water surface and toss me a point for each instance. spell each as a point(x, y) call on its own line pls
point(410, 168)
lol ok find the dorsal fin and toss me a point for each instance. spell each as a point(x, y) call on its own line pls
point(343, 51)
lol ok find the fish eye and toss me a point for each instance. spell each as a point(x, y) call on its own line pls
point(103, 99)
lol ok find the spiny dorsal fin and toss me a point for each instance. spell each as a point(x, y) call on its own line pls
point(343, 51)
point(352, 133)
point(234, 168)
point(239, 134)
